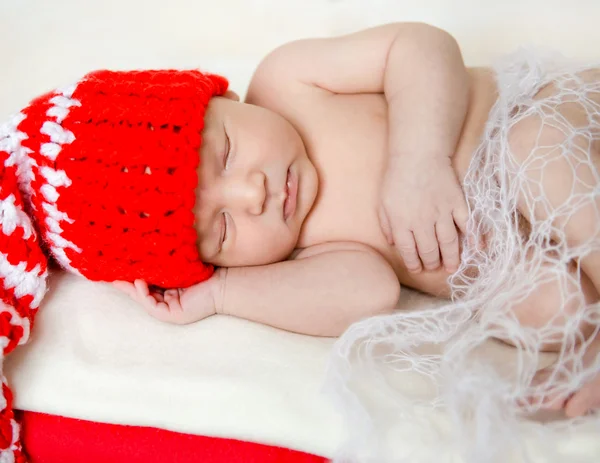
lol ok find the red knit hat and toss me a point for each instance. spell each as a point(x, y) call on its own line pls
point(100, 176)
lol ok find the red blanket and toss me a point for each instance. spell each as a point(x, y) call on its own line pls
point(55, 439)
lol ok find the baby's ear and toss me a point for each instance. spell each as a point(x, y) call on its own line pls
point(231, 95)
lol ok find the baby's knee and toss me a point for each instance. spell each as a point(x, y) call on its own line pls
point(532, 139)
point(556, 308)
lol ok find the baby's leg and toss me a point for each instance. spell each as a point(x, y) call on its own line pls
point(551, 304)
point(556, 151)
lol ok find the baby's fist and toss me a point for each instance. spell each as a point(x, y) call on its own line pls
point(179, 306)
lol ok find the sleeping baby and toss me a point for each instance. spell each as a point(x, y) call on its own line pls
point(356, 165)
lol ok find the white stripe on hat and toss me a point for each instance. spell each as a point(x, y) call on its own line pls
point(12, 217)
point(10, 142)
point(57, 178)
point(24, 282)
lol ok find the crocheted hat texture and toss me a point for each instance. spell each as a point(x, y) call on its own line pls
point(100, 177)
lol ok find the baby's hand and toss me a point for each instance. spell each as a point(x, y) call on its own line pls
point(422, 206)
point(179, 306)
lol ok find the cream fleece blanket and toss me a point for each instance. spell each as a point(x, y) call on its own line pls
point(96, 355)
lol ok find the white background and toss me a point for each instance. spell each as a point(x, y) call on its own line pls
point(45, 44)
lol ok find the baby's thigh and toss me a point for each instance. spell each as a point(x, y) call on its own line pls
point(551, 305)
point(554, 156)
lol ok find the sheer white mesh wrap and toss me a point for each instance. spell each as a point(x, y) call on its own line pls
point(437, 390)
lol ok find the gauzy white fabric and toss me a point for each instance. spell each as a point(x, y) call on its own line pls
point(505, 262)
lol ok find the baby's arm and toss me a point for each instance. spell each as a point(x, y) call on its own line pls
point(321, 292)
point(420, 70)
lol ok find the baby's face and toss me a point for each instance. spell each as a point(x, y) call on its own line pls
point(256, 186)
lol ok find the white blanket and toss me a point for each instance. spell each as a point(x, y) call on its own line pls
point(96, 355)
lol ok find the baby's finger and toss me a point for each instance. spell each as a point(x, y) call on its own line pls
point(447, 237)
point(384, 223)
point(160, 311)
point(150, 301)
point(405, 243)
point(461, 217)
point(171, 293)
point(429, 251)
point(172, 299)
point(125, 287)
point(142, 288)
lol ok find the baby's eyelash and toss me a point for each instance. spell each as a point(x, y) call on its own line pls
point(224, 232)
point(227, 151)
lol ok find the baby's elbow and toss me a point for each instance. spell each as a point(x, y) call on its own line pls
point(390, 300)
point(424, 30)
point(426, 41)
point(385, 296)
point(381, 300)
point(382, 290)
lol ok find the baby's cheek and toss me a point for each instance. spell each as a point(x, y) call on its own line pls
point(286, 246)
point(270, 247)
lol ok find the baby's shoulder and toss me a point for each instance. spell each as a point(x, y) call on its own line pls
point(279, 86)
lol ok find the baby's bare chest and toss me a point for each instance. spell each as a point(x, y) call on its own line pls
point(346, 140)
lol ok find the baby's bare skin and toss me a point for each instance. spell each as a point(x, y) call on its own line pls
point(346, 139)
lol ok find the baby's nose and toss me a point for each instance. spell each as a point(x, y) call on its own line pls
point(253, 193)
